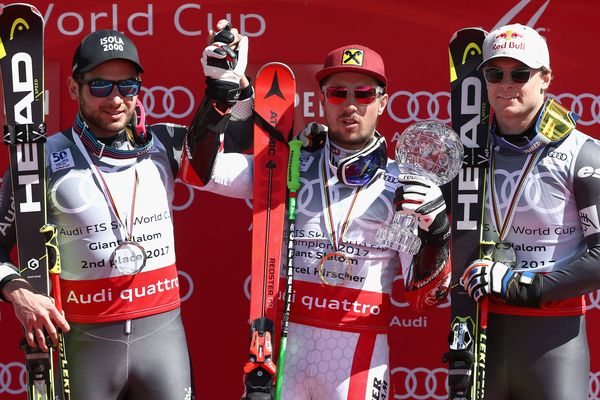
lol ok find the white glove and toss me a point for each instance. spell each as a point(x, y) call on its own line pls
point(218, 63)
point(313, 136)
point(419, 196)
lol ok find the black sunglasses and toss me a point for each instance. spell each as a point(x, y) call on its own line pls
point(103, 87)
point(518, 75)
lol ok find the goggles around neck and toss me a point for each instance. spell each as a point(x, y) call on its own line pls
point(140, 138)
point(361, 167)
point(554, 123)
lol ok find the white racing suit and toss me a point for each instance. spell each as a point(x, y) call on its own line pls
point(337, 346)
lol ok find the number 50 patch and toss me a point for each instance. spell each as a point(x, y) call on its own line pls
point(61, 159)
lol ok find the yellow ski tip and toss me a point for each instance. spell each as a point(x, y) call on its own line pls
point(2, 49)
point(453, 76)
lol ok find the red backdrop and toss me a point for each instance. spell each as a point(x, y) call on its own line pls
point(213, 234)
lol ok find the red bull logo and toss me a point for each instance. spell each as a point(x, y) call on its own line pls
point(508, 40)
point(508, 45)
point(509, 35)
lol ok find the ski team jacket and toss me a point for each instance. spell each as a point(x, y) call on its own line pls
point(555, 229)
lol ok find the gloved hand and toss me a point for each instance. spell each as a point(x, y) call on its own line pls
point(419, 196)
point(485, 277)
point(313, 136)
point(226, 57)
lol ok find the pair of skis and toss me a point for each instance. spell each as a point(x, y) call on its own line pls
point(470, 119)
point(275, 158)
point(22, 65)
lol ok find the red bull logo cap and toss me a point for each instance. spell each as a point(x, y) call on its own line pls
point(353, 58)
point(519, 42)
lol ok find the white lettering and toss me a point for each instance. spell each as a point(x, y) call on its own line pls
point(149, 31)
point(79, 24)
point(177, 20)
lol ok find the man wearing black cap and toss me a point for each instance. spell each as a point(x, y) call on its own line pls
point(110, 181)
point(542, 213)
point(337, 342)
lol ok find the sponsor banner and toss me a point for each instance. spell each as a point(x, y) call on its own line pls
point(213, 233)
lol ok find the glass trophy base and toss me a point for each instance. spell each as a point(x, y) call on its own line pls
point(399, 239)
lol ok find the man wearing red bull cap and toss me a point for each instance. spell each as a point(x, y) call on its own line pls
point(337, 341)
point(542, 214)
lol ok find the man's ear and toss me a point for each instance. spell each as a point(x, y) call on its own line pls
point(382, 104)
point(73, 88)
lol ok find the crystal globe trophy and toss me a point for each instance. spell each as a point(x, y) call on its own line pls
point(425, 148)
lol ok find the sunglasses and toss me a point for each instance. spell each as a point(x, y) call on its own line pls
point(363, 94)
point(518, 75)
point(104, 87)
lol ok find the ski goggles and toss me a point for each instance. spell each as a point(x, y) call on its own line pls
point(518, 75)
point(104, 87)
point(360, 168)
point(362, 94)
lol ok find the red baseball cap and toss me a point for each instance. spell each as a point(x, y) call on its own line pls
point(353, 58)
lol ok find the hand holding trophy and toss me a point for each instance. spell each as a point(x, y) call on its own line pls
point(426, 148)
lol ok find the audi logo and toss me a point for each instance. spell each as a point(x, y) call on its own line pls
point(420, 383)
point(161, 102)
point(558, 155)
point(586, 105)
point(13, 378)
point(405, 107)
point(178, 102)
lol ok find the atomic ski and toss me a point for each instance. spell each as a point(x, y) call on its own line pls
point(470, 118)
point(275, 91)
point(22, 64)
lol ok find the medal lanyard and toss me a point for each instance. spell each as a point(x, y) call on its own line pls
point(106, 191)
point(326, 201)
point(500, 225)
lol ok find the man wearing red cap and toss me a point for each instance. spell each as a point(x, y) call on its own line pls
point(542, 212)
point(337, 341)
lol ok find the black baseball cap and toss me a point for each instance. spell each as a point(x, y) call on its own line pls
point(101, 46)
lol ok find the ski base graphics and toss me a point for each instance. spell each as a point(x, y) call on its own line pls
point(22, 65)
point(470, 119)
point(275, 91)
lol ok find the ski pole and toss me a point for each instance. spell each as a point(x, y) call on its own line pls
point(293, 184)
point(54, 264)
point(486, 250)
point(479, 384)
